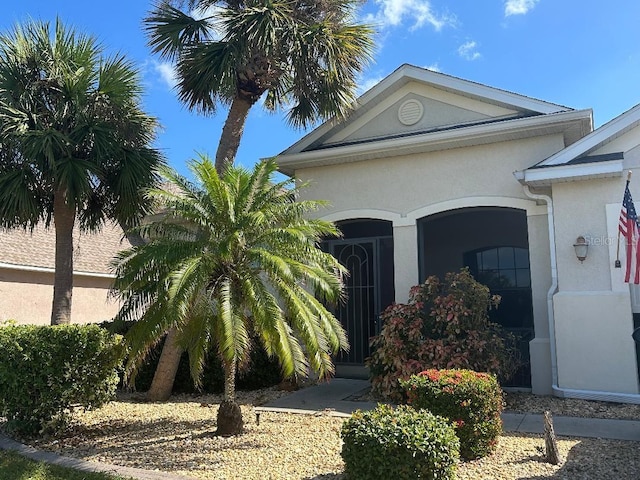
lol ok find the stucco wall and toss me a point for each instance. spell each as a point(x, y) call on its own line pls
point(404, 184)
point(406, 188)
point(540, 346)
point(26, 297)
point(592, 308)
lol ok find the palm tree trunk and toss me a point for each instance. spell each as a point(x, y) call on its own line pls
point(229, 414)
point(164, 376)
point(232, 132)
point(165, 373)
point(64, 217)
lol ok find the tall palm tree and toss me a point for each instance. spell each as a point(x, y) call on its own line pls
point(74, 141)
point(301, 55)
point(304, 55)
point(233, 257)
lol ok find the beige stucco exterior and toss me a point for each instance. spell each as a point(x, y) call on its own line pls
point(26, 296)
point(27, 269)
point(408, 188)
point(475, 147)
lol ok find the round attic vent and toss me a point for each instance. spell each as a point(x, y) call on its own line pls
point(410, 112)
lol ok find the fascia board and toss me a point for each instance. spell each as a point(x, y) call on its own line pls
point(359, 105)
point(30, 268)
point(503, 97)
point(595, 138)
point(443, 139)
point(563, 173)
point(407, 73)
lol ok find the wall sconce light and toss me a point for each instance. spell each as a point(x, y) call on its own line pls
point(581, 247)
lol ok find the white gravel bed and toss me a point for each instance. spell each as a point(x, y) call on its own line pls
point(178, 437)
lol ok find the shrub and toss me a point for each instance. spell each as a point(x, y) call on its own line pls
point(444, 325)
point(471, 400)
point(399, 443)
point(259, 371)
point(45, 370)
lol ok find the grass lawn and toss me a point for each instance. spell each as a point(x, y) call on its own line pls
point(16, 467)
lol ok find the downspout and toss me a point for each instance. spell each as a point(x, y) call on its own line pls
point(555, 389)
point(552, 289)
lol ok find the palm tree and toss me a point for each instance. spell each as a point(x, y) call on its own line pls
point(233, 258)
point(304, 55)
point(74, 142)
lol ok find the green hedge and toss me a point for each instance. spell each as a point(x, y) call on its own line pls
point(259, 372)
point(45, 370)
point(399, 444)
point(471, 400)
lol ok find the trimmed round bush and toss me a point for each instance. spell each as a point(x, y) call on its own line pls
point(472, 401)
point(47, 370)
point(399, 443)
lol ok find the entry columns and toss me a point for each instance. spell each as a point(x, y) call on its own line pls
point(405, 257)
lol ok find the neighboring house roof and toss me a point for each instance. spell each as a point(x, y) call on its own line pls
point(415, 110)
point(590, 157)
point(26, 250)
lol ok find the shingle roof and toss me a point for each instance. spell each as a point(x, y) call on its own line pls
point(92, 252)
point(605, 157)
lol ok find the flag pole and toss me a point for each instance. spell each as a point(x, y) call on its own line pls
point(618, 264)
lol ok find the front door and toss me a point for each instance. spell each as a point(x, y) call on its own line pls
point(368, 292)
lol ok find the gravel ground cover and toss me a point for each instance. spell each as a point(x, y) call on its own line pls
point(177, 437)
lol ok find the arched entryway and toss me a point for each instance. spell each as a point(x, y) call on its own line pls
point(366, 250)
point(493, 243)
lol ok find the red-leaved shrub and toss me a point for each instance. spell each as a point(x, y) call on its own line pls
point(471, 401)
point(444, 325)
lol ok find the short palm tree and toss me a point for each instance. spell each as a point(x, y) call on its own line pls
point(233, 257)
point(304, 55)
point(74, 141)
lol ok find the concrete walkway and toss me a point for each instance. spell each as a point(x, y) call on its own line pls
point(333, 398)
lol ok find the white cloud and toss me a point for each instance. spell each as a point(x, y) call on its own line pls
point(365, 84)
point(167, 73)
point(212, 12)
point(434, 67)
point(393, 13)
point(518, 7)
point(468, 50)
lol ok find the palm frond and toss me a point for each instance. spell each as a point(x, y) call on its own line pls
point(233, 256)
point(169, 30)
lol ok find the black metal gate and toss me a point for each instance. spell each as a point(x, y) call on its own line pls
point(366, 295)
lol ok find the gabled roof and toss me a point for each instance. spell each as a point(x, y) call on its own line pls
point(406, 73)
point(25, 250)
point(596, 139)
point(583, 160)
point(457, 113)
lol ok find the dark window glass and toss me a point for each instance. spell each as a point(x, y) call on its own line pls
point(522, 257)
point(506, 257)
point(490, 259)
point(523, 277)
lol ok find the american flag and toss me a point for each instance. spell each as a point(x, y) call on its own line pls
point(630, 229)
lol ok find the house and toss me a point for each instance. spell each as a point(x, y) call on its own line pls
point(27, 269)
point(431, 173)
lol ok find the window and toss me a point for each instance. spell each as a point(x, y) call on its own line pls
point(500, 268)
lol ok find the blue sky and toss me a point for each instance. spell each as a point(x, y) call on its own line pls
point(577, 53)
